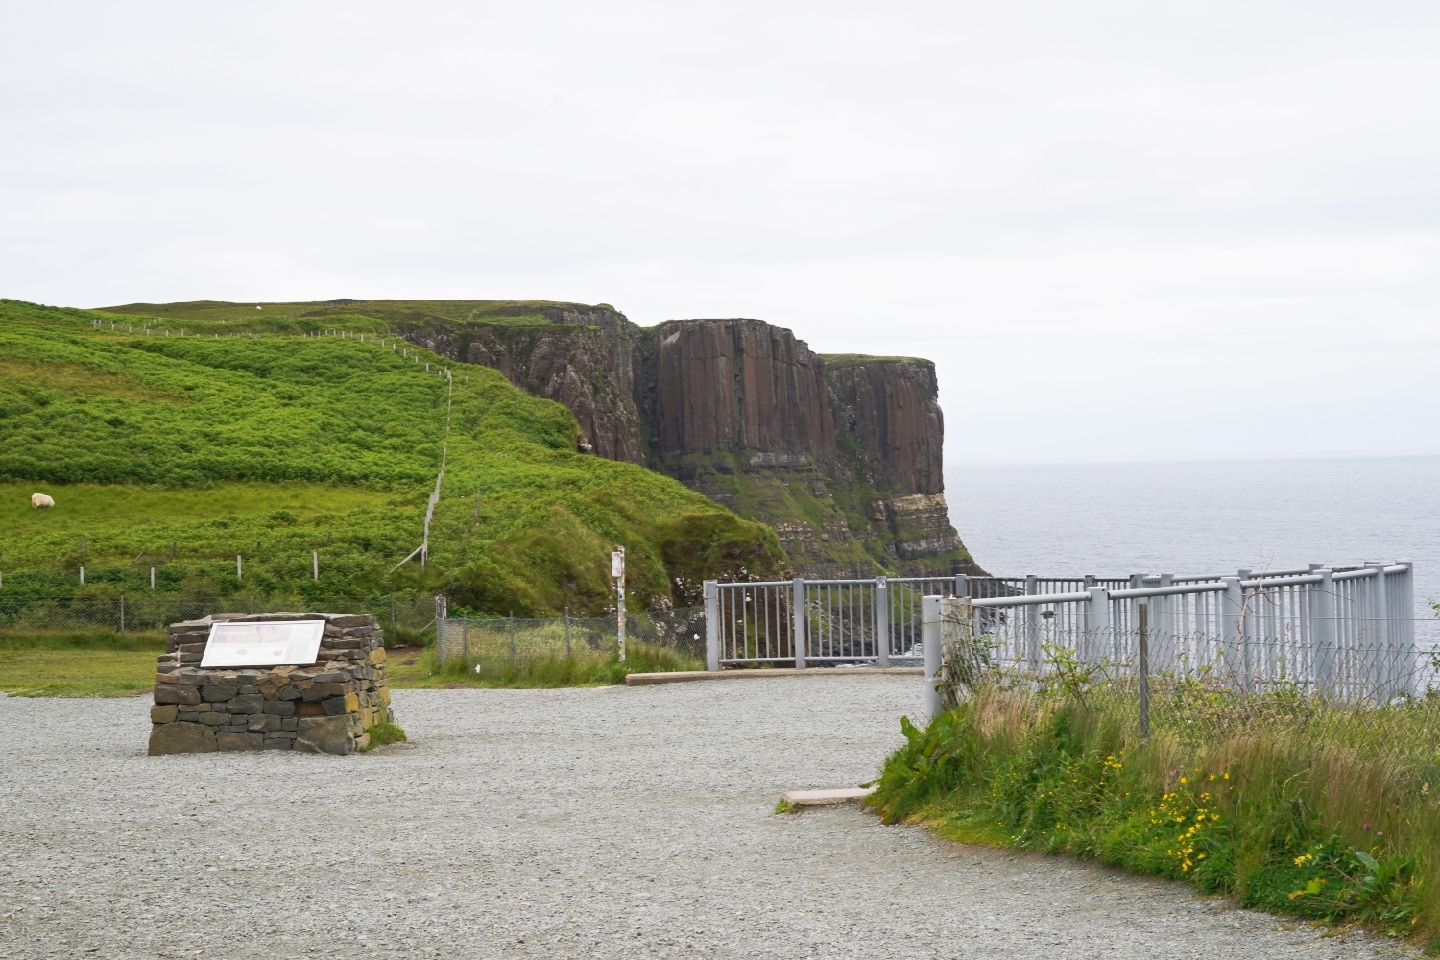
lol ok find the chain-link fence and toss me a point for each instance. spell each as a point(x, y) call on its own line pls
point(405, 619)
point(493, 641)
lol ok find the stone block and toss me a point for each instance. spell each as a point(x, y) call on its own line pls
point(346, 620)
point(275, 745)
point(187, 717)
point(168, 738)
point(191, 657)
point(214, 718)
point(263, 722)
point(290, 692)
point(335, 706)
point(164, 714)
point(280, 708)
point(245, 703)
point(238, 741)
point(309, 709)
point(384, 694)
point(377, 656)
point(321, 691)
point(247, 689)
point(192, 647)
point(331, 676)
point(176, 693)
point(165, 678)
point(290, 725)
point(219, 692)
point(325, 735)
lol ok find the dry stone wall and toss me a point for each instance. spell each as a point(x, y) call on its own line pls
point(327, 707)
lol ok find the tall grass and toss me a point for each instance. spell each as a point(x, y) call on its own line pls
point(581, 668)
point(1319, 816)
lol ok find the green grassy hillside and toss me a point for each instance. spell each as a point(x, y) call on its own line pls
point(181, 451)
point(349, 314)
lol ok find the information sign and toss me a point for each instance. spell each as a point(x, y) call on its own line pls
point(617, 563)
point(263, 644)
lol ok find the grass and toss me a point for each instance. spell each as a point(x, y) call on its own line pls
point(106, 664)
point(182, 452)
point(581, 669)
point(69, 664)
point(1312, 813)
point(385, 733)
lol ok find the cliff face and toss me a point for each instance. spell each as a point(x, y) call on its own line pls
point(584, 358)
point(739, 385)
point(841, 455)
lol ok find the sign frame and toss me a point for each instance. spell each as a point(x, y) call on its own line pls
point(289, 642)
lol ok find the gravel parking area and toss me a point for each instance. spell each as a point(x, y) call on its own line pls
point(613, 822)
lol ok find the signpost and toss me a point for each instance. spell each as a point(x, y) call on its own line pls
point(617, 570)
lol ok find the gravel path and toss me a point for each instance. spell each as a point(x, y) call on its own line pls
point(619, 822)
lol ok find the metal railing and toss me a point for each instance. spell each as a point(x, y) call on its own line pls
point(1334, 628)
point(1346, 633)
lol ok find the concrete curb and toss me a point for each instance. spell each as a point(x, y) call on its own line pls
point(688, 676)
point(822, 798)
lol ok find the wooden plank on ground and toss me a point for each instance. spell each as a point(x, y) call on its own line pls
point(820, 798)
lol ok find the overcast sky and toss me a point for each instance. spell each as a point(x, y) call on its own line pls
point(1122, 230)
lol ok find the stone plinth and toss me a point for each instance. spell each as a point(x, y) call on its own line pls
point(326, 707)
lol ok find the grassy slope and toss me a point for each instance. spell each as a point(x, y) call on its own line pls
point(274, 446)
point(351, 314)
point(779, 496)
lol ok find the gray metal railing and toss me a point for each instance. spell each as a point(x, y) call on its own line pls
point(1349, 630)
point(1346, 633)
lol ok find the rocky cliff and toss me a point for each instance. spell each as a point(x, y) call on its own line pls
point(840, 454)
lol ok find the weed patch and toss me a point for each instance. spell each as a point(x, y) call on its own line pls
point(1287, 822)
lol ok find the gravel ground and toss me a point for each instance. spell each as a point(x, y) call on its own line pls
point(618, 822)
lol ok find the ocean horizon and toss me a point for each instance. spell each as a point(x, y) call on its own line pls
point(1202, 516)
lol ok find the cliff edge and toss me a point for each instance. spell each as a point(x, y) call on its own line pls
point(841, 454)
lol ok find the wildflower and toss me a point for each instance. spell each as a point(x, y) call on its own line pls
point(1184, 780)
point(1227, 776)
point(1365, 826)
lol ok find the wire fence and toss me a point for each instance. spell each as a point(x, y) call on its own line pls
point(403, 618)
point(1371, 700)
point(494, 641)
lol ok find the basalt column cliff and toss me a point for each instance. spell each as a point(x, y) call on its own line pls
point(840, 454)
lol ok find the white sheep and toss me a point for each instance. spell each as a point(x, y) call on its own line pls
point(38, 500)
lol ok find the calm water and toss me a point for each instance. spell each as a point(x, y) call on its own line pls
point(1201, 517)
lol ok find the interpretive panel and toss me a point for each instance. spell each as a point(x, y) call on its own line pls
point(263, 644)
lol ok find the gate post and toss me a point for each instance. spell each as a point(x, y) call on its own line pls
point(712, 626)
point(1379, 614)
point(930, 637)
point(1232, 608)
point(1324, 613)
point(882, 621)
point(797, 622)
point(1097, 622)
point(1032, 625)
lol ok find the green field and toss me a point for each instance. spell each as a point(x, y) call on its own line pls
point(180, 452)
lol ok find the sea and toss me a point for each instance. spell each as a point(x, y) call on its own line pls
point(1203, 517)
